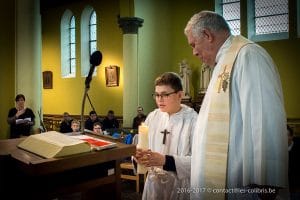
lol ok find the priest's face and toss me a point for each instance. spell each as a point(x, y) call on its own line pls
point(167, 99)
point(203, 47)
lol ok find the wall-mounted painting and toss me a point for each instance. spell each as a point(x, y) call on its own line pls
point(47, 80)
point(112, 76)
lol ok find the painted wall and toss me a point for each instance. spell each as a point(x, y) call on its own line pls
point(67, 93)
point(28, 55)
point(285, 54)
point(162, 43)
point(181, 13)
point(154, 43)
point(20, 48)
point(7, 63)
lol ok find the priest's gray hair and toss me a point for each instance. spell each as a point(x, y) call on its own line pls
point(170, 78)
point(206, 20)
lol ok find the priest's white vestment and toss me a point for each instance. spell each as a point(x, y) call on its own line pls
point(257, 152)
point(161, 184)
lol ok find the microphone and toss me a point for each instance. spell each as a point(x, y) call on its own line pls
point(95, 60)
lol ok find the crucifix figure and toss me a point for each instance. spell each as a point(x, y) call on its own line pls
point(165, 132)
point(224, 78)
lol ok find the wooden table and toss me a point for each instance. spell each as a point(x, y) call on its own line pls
point(24, 175)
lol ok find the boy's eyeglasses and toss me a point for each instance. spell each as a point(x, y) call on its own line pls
point(163, 95)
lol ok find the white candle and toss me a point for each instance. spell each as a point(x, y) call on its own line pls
point(143, 143)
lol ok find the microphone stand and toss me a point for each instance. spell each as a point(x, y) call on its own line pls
point(87, 87)
point(82, 108)
point(95, 60)
point(90, 102)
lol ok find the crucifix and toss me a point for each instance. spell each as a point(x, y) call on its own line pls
point(165, 132)
point(224, 78)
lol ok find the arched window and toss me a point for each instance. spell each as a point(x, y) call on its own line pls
point(72, 46)
point(93, 32)
point(88, 38)
point(68, 45)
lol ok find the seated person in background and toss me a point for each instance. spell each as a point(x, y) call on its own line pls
point(170, 136)
point(65, 125)
point(141, 117)
point(110, 121)
point(75, 125)
point(294, 164)
point(20, 118)
point(91, 120)
point(97, 128)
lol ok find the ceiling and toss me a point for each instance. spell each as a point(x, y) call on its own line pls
point(46, 4)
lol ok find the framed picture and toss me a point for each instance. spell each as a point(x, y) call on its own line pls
point(47, 79)
point(112, 76)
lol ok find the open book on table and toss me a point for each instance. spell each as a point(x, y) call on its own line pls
point(53, 144)
point(96, 143)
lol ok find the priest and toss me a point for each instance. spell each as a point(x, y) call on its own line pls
point(240, 142)
point(170, 137)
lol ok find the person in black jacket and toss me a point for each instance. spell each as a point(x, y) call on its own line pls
point(294, 164)
point(110, 121)
point(20, 118)
point(89, 123)
point(65, 125)
point(141, 117)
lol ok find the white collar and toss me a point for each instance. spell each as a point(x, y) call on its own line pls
point(225, 46)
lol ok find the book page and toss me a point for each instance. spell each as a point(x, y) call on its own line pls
point(21, 121)
point(96, 143)
point(57, 138)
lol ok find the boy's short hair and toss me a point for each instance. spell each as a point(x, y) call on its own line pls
point(110, 112)
point(75, 122)
point(93, 112)
point(97, 123)
point(170, 78)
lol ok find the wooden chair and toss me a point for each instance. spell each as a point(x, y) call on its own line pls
point(134, 177)
point(128, 166)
